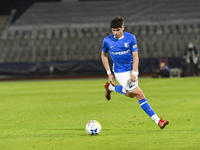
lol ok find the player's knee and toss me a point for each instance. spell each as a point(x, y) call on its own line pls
point(129, 94)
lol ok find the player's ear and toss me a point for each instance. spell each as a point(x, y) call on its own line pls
point(123, 28)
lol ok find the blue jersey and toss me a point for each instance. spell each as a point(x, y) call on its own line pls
point(121, 51)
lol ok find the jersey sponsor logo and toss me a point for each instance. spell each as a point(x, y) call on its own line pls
point(126, 45)
point(134, 46)
point(121, 53)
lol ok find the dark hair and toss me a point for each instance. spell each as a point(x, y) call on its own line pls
point(117, 22)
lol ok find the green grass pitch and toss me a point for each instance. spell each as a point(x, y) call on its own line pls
point(52, 114)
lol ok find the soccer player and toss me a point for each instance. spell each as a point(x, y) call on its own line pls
point(123, 50)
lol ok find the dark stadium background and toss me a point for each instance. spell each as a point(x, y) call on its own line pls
point(54, 38)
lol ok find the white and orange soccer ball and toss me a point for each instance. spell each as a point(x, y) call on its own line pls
point(93, 127)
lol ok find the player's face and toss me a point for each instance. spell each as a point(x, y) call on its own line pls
point(118, 32)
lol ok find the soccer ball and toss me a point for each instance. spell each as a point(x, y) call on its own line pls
point(93, 127)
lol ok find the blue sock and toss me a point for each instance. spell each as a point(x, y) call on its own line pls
point(118, 88)
point(146, 107)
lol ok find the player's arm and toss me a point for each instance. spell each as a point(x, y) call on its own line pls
point(135, 65)
point(105, 62)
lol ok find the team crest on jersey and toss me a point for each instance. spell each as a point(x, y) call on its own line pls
point(126, 45)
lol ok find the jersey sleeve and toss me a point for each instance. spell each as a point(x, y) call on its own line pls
point(105, 46)
point(134, 44)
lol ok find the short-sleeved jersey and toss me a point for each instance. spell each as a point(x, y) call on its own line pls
point(120, 51)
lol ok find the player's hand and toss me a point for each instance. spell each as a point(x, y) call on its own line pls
point(133, 78)
point(111, 78)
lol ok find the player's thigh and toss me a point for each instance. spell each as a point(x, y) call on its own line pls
point(137, 91)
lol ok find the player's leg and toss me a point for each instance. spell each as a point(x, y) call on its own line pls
point(138, 93)
point(118, 88)
point(109, 88)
